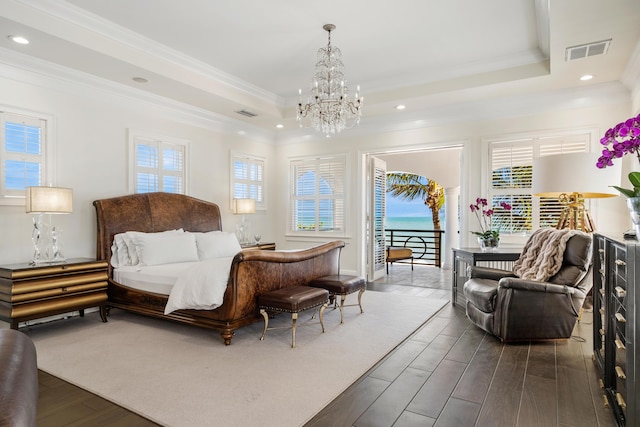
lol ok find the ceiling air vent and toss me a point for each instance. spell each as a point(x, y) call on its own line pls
point(246, 113)
point(586, 50)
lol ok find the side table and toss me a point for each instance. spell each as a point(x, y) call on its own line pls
point(33, 291)
point(464, 257)
point(259, 247)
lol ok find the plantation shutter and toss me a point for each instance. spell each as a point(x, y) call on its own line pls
point(317, 194)
point(158, 166)
point(22, 153)
point(511, 179)
point(248, 179)
point(550, 209)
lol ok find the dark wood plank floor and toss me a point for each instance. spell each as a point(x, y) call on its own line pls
point(449, 373)
point(452, 374)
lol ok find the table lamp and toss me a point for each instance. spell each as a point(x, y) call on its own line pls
point(571, 178)
point(243, 207)
point(47, 200)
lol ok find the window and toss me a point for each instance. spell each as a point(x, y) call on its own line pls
point(23, 160)
point(511, 177)
point(247, 179)
point(158, 164)
point(317, 195)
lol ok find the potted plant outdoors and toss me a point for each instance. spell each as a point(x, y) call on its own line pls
point(488, 238)
point(620, 140)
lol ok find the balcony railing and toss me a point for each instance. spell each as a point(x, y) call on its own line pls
point(425, 244)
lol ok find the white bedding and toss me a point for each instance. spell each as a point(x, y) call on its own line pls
point(153, 278)
point(200, 287)
point(190, 285)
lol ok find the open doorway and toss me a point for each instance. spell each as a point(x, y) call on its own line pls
point(443, 165)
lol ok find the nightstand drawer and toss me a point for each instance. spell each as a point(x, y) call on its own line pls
point(19, 290)
point(52, 306)
point(60, 291)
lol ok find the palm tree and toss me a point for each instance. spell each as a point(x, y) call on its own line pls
point(409, 186)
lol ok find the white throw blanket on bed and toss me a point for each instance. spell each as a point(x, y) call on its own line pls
point(543, 254)
point(200, 287)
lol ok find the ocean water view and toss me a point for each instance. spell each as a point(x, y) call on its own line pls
point(411, 222)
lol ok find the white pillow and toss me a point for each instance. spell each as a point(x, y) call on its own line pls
point(114, 255)
point(217, 244)
point(119, 252)
point(132, 250)
point(165, 248)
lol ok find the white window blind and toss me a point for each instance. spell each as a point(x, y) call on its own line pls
point(22, 153)
point(317, 195)
point(247, 178)
point(511, 178)
point(158, 165)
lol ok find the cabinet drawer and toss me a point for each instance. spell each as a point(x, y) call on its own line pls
point(53, 305)
point(60, 291)
point(29, 272)
point(20, 289)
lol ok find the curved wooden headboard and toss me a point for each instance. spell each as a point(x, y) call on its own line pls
point(151, 212)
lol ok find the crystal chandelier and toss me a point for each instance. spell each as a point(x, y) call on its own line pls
point(329, 108)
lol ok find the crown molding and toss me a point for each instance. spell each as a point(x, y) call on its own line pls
point(69, 14)
point(34, 71)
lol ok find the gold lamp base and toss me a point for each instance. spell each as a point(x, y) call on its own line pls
point(574, 214)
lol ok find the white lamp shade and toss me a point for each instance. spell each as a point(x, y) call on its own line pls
point(574, 173)
point(51, 200)
point(244, 206)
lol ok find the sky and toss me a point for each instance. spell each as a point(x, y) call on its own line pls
point(398, 208)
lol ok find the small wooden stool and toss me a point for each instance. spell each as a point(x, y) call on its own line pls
point(343, 285)
point(292, 300)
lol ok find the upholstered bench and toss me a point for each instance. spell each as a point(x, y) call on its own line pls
point(343, 285)
point(292, 300)
point(395, 253)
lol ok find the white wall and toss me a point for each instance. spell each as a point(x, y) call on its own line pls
point(91, 142)
point(91, 137)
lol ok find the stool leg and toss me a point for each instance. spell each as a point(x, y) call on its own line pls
point(360, 299)
point(342, 298)
point(321, 314)
point(294, 318)
point(266, 322)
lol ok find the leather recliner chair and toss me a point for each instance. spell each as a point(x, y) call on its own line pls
point(516, 309)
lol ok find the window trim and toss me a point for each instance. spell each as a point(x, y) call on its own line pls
point(49, 153)
point(237, 155)
point(344, 157)
point(133, 134)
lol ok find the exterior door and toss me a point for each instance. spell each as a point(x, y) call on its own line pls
point(377, 209)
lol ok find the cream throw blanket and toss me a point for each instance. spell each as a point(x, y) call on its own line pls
point(542, 255)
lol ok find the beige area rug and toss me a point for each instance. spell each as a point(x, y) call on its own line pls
point(180, 375)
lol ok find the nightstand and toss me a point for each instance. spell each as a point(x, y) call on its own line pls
point(33, 291)
point(259, 247)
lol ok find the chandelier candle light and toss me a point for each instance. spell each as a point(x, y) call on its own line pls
point(329, 108)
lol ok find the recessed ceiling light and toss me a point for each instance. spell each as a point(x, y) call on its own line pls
point(586, 77)
point(279, 126)
point(19, 39)
point(400, 107)
point(139, 79)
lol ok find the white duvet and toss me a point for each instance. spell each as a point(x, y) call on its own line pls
point(201, 286)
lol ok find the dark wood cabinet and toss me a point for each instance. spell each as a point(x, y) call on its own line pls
point(29, 292)
point(615, 329)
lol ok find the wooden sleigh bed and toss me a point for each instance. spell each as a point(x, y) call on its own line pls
point(252, 272)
